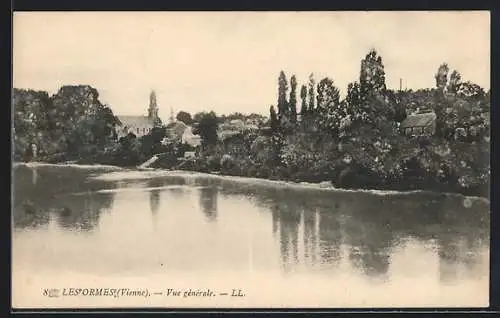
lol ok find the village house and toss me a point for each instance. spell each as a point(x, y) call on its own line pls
point(174, 131)
point(189, 138)
point(179, 132)
point(140, 125)
point(419, 124)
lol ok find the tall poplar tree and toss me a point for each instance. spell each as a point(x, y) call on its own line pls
point(293, 99)
point(312, 95)
point(274, 119)
point(372, 75)
point(283, 109)
point(303, 97)
point(328, 105)
point(454, 83)
point(442, 77)
point(440, 102)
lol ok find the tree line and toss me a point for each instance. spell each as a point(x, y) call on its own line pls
point(313, 133)
point(73, 121)
point(356, 141)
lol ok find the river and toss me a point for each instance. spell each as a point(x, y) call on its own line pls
point(277, 244)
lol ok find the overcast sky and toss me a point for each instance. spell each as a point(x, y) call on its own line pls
point(230, 61)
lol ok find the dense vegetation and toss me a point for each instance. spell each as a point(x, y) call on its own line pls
point(353, 142)
point(72, 123)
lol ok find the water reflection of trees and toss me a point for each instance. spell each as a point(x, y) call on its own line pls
point(154, 194)
point(178, 181)
point(369, 236)
point(369, 226)
point(29, 215)
point(326, 224)
point(82, 212)
point(310, 220)
point(314, 227)
point(330, 234)
point(461, 246)
point(288, 218)
point(209, 191)
point(65, 193)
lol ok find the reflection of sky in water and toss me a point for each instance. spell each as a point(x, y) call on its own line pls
point(200, 225)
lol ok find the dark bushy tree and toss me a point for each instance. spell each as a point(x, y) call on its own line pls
point(184, 117)
point(207, 127)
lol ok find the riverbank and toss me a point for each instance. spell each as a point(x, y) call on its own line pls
point(133, 173)
point(339, 176)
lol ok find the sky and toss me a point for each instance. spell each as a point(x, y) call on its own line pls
point(230, 61)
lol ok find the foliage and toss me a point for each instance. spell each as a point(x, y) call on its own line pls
point(254, 118)
point(303, 97)
point(442, 77)
point(207, 126)
point(273, 119)
point(355, 142)
point(293, 99)
point(184, 117)
point(312, 95)
point(31, 125)
point(73, 121)
point(283, 106)
point(372, 75)
point(352, 142)
point(328, 108)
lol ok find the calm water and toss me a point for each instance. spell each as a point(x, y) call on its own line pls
point(281, 245)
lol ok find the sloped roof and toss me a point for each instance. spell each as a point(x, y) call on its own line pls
point(135, 120)
point(176, 125)
point(418, 120)
point(224, 134)
point(237, 123)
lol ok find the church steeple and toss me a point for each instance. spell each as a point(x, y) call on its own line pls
point(153, 107)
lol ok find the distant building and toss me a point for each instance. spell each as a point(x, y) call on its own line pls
point(189, 138)
point(179, 132)
point(140, 125)
point(419, 124)
point(175, 130)
point(236, 127)
point(240, 125)
point(224, 134)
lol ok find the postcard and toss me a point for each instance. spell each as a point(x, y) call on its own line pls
point(251, 159)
